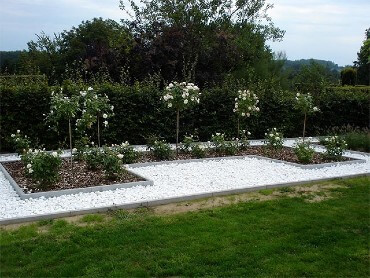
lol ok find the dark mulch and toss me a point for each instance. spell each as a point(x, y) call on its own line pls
point(80, 177)
point(285, 154)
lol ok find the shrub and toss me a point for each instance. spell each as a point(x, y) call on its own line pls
point(160, 149)
point(198, 151)
point(112, 163)
point(21, 143)
point(243, 142)
point(335, 146)
point(304, 151)
point(348, 76)
point(358, 141)
point(42, 167)
point(130, 155)
point(221, 146)
point(274, 139)
point(188, 143)
point(93, 158)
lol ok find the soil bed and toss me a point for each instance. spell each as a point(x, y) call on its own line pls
point(285, 154)
point(82, 177)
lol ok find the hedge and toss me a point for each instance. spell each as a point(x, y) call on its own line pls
point(139, 114)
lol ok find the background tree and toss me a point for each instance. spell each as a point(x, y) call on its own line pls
point(348, 76)
point(363, 61)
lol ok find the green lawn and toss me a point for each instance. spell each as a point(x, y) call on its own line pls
point(285, 236)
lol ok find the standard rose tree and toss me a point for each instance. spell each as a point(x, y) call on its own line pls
point(64, 108)
point(245, 106)
point(95, 107)
point(180, 96)
point(304, 103)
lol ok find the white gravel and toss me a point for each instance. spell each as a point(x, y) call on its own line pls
point(174, 180)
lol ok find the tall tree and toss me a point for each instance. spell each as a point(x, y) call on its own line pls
point(363, 61)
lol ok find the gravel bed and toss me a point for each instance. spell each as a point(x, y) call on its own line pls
point(175, 180)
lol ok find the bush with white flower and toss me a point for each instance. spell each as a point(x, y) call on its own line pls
point(304, 103)
point(63, 108)
point(129, 154)
point(274, 139)
point(335, 146)
point(160, 149)
point(112, 163)
point(42, 167)
point(180, 96)
point(221, 146)
point(243, 142)
point(95, 108)
point(21, 142)
point(190, 145)
point(304, 151)
point(246, 105)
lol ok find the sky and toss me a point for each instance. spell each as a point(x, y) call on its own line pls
point(328, 30)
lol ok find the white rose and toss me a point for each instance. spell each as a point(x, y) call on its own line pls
point(30, 171)
point(105, 123)
point(13, 135)
point(18, 131)
point(169, 105)
point(186, 101)
point(90, 89)
point(248, 114)
point(29, 166)
point(74, 150)
point(243, 114)
point(248, 133)
point(120, 156)
point(105, 116)
point(83, 93)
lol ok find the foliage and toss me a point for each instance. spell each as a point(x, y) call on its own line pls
point(93, 158)
point(363, 61)
point(358, 140)
point(243, 142)
point(348, 76)
point(305, 103)
point(42, 167)
point(274, 139)
point(223, 147)
point(246, 103)
point(188, 143)
point(304, 151)
point(62, 107)
point(111, 161)
point(21, 143)
point(130, 155)
point(181, 95)
point(160, 149)
point(198, 151)
point(335, 146)
point(338, 105)
point(94, 106)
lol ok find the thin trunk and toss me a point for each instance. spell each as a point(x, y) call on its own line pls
point(237, 142)
point(98, 132)
point(70, 141)
point(304, 125)
point(177, 130)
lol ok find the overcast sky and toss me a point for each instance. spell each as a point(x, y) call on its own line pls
point(329, 30)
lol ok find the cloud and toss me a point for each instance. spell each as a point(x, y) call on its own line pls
point(330, 30)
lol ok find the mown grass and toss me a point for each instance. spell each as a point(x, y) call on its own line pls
point(281, 237)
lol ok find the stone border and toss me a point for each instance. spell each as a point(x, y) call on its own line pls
point(56, 193)
point(153, 203)
point(302, 166)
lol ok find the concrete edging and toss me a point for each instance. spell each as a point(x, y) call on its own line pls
point(49, 194)
point(165, 201)
point(302, 166)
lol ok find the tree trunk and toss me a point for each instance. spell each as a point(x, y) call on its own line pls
point(70, 141)
point(238, 135)
point(177, 130)
point(304, 125)
point(98, 132)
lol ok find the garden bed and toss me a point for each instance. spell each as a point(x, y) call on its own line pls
point(284, 154)
point(81, 177)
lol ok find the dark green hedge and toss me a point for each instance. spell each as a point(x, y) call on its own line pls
point(139, 114)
